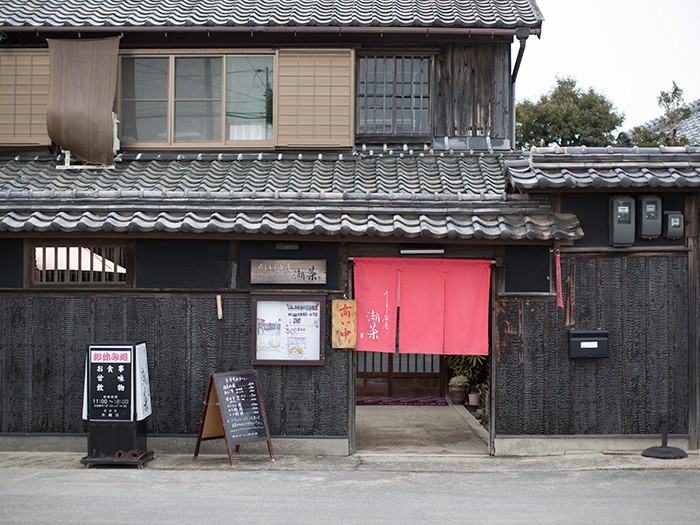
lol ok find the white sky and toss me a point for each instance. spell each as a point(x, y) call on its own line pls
point(627, 50)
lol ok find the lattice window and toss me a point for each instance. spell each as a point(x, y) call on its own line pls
point(393, 95)
point(80, 265)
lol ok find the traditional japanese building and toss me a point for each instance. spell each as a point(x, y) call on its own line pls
point(188, 173)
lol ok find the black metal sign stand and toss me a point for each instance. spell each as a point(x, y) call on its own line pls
point(233, 410)
point(116, 404)
point(664, 451)
point(117, 444)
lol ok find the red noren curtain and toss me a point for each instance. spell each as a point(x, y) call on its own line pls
point(443, 304)
point(376, 290)
point(422, 307)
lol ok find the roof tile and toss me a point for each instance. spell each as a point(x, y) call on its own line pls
point(123, 13)
point(571, 168)
point(427, 196)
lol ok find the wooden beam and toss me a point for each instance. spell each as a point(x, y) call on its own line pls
point(691, 213)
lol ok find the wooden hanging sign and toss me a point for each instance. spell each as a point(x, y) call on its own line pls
point(233, 410)
point(344, 327)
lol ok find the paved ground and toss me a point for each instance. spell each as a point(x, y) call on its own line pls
point(421, 465)
point(423, 430)
point(417, 439)
point(149, 496)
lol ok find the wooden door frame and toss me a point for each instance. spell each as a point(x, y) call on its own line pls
point(692, 212)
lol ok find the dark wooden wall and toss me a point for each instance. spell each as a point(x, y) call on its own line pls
point(473, 90)
point(44, 343)
point(643, 302)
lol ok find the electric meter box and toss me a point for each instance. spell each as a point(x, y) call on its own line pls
point(588, 343)
point(650, 217)
point(622, 221)
point(673, 224)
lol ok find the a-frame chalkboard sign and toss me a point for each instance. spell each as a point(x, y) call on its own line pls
point(233, 410)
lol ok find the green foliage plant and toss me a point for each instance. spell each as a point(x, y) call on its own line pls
point(567, 116)
point(666, 134)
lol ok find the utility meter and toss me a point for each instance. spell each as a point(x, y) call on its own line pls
point(622, 220)
point(673, 224)
point(650, 217)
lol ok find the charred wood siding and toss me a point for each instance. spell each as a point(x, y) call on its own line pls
point(643, 302)
point(473, 91)
point(45, 339)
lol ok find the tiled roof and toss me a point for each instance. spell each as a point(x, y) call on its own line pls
point(125, 13)
point(576, 168)
point(688, 128)
point(431, 196)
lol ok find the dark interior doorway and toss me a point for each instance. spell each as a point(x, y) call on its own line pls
point(399, 375)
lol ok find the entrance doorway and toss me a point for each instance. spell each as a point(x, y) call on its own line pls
point(399, 375)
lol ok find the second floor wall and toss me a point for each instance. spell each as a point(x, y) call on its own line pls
point(281, 97)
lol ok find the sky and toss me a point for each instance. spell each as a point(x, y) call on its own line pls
point(627, 50)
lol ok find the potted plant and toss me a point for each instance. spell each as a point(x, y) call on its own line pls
point(472, 367)
point(474, 395)
point(457, 388)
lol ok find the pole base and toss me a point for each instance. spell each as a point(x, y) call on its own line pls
point(664, 453)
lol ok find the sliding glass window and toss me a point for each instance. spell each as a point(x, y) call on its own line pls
point(204, 100)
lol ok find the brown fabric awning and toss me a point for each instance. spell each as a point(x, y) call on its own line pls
point(82, 88)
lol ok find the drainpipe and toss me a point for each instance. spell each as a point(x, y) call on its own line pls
point(522, 33)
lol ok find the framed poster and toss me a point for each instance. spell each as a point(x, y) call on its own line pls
point(288, 329)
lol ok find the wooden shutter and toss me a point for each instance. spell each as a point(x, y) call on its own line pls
point(315, 102)
point(24, 92)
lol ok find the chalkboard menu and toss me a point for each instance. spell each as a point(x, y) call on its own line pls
point(233, 409)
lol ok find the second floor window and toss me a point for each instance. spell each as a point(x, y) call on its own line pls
point(393, 96)
point(217, 99)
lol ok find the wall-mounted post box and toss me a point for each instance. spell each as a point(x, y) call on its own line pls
point(673, 224)
point(650, 218)
point(588, 343)
point(622, 220)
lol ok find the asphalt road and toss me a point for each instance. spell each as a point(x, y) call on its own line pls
point(116, 495)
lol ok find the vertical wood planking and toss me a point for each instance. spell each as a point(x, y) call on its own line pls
point(333, 386)
point(48, 349)
point(470, 96)
point(501, 92)
point(49, 336)
point(657, 342)
point(16, 360)
point(110, 319)
point(610, 399)
point(273, 386)
point(236, 335)
point(299, 391)
point(140, 326)
point(534, 340)
point(679, 357)
point(79, 318)
point(204, 354)
point(509, 412)
point(441, 94)
point(584, 384)
point(171, 366)
point(642, 301)
point(635, 322)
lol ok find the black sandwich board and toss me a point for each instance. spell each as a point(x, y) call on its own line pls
point(233, 409)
